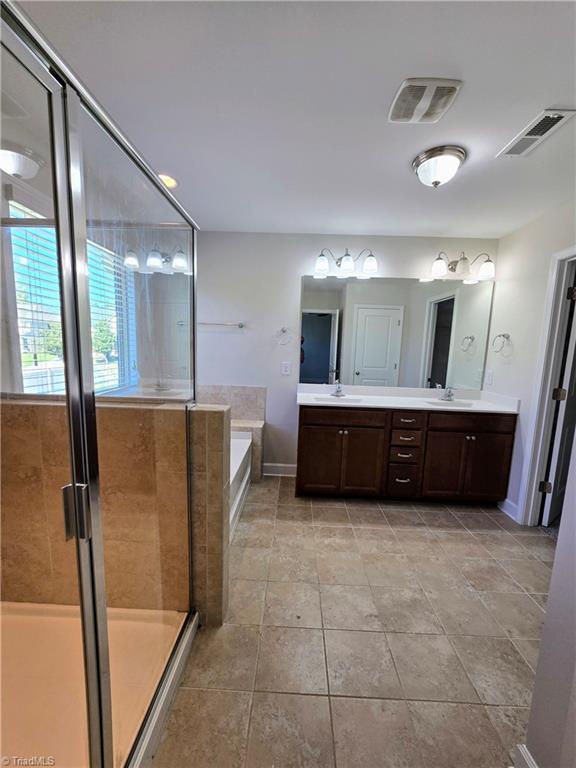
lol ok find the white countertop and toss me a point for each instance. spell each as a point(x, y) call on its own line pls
point(465, 401)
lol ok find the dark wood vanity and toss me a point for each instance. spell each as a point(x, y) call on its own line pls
point(404, 454)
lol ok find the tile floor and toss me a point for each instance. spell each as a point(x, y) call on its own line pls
point(365, 635)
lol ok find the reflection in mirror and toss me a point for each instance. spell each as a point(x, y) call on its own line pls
point(394, 332)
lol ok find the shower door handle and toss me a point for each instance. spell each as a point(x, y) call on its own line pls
point(73, 525)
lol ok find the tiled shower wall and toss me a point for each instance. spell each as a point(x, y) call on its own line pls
point(144, 503)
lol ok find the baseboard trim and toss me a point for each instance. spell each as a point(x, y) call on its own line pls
point(286, 470)
point(523, 758)
point(509, 508)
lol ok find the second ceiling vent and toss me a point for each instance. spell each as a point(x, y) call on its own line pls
point(423, 99)
point(536, 131)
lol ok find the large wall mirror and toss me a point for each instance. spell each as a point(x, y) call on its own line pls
point(394, 332)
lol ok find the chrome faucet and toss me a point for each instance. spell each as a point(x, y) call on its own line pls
point(338, 392)
point(448, 395)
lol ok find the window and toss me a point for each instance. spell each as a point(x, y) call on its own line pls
point(37, 289)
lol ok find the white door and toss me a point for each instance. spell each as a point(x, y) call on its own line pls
point(378, 338)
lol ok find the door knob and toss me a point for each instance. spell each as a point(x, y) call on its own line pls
point(357, 373)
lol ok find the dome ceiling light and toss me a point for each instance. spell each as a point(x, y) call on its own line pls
point(438, 165)
point(20, 162)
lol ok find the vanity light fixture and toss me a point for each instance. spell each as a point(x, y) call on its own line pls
point(439, 165)
point(461, 268)
point(179, 262)
point(346, 265)
point(131, 260)
point(155, 261)
point(440, 266)
point(487, 270)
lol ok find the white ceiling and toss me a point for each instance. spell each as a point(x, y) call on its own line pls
point(273, 116)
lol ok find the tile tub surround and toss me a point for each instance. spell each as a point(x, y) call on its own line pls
point(143, 502)
point(209, 434)
point(420, 672)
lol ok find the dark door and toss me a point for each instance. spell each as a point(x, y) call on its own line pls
point(319, 459)
point(441, 343)
point(363, 460)
point(315, 348)
point(444, 464)
point(487, 465)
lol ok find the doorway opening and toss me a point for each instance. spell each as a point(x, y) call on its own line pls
point(319, 342)
point(438, 336)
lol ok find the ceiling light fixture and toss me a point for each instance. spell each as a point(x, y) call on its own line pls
point(20, 162)
point(346, 265)
point(168, 181)
point(438, 165)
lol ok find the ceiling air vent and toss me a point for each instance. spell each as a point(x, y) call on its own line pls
point(423, 100)
point(539, 129)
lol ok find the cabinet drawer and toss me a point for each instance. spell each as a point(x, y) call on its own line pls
point(404, 455)
point(406, 437)
point(473, 422)
point(402, 480)
point(408, 419)
point(345, 417)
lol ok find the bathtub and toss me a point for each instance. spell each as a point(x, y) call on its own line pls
point(240, 468)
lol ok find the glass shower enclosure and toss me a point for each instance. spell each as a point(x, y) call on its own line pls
point(97, 372)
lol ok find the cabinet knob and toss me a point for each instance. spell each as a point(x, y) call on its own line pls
point(467, 437)
point(345, 431)
point(473, 437)
point(340, 432)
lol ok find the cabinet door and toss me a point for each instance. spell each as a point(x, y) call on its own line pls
point(488, 466)
point(363, 460)
point(444, 464)
point(319, 459)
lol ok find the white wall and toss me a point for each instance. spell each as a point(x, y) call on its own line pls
point(471, 318)
point(524, 260)
point(255, 278)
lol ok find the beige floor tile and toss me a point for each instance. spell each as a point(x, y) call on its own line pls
point(223, 657)
point(364, 503)
point(371, 541)
point(438, 574)
point(406, 610)
point(403, 518)
point(429, 668)
point(334, 538)
point(430, 506)
point(392, 571)
point(327, 501)
point(507, 524)
point(287, 493)
point(397, 506)
point(253, 534)
point(294, 513)
point(441, 521)
point(266, 491)
point(289, 731)
point(478, 521)
point(497, 670)
point(369, 733)
point(511, 724)
point(457, 545)
point(348, 608)
point(360, 664)
point(529, 647)
point(368, 516)
point(291, 661)
point(249, 562)
point(487, 575)
point(418, 541)
point(258, 513)
point(340, 568)
point(330, 516)
point(518, 614)
point(457, 736)
point(292, 605)
point(294, 536)
point(543, 547)
point(533, 575)
point(503, 546)
point(463, 613)
point(193, 733)
point(540, 599)
point(246, 601)
point(293, 565)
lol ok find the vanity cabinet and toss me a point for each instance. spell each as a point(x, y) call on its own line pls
point(404, 454)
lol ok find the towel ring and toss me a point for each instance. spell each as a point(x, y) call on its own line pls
point(466, 343)
point(504, 339)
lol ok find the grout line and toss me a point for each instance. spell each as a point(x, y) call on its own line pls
point(328, 683)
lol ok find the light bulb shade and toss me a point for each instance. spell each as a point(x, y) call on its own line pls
point(321, 267)
point(20, 164)
point(131, 260)
point(370, 266)
point(154, 261)
point(463, 266)
point(179, 262)
point(439, 268)
point(487, 271)
point(347, 265)
point(438, 165)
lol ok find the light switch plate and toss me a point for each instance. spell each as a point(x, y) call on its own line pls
point(489, 377)
point(286, 368)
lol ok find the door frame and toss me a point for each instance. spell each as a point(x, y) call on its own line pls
point(334, 328)
point(429, 324)
point(548, 363)
point(357, 308)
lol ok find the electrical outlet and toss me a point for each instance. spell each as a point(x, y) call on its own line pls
point(286, 368)
point(489, 377)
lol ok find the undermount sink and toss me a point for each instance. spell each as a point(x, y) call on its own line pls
point(332, 399)
point(451, 403)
